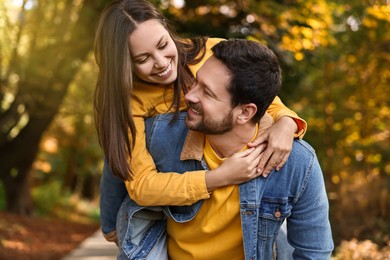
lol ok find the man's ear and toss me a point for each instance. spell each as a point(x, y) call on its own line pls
point(246, 113)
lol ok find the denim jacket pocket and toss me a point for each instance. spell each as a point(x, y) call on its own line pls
point(184, 214)
point(272, 213)
point(139, 229)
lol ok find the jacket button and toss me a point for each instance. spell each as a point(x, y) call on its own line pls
point(277, 214)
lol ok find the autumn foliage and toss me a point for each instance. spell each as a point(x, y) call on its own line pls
point(335, 57)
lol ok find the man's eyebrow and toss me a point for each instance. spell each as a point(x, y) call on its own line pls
point(205, 87)
point(158, 44)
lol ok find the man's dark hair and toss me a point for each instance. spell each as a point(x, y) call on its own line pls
point(255, 70)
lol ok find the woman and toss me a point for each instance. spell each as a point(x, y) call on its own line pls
point(144, 69)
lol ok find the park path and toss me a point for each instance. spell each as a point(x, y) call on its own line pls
point(94, 248)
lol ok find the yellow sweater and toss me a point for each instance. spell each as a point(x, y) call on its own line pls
point(151, 188)
point(215, 232)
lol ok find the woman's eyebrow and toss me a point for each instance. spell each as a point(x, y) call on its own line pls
point(145, 53)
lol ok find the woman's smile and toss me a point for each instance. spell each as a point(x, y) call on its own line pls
point(165, 73)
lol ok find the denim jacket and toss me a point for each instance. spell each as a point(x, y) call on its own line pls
point(295, 193)
point(141, 229)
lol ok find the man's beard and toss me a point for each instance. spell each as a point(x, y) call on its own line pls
point(210, 126)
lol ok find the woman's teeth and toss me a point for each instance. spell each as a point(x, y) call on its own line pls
point(165, 71)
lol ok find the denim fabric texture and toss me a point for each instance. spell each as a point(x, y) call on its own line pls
point(283, 250)
point(141, 232)
point(297, 194)
point(112, 193)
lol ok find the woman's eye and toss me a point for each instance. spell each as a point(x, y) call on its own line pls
point(141, 61)
point(163, 46)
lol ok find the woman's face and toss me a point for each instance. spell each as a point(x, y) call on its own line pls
point(154, 53)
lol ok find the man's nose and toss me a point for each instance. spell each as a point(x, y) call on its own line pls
point(191, 94)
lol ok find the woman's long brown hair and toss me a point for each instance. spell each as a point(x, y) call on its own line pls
point(113, 117)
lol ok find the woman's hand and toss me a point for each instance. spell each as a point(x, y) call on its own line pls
point(240, 167)
point(278, 138)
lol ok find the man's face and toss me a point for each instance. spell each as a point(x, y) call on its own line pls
point(210, 110)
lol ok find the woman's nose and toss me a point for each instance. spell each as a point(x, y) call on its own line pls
point(160, 61)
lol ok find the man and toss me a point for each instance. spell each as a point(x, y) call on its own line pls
point(233, 89)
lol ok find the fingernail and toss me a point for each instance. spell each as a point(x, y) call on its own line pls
point(265, 175)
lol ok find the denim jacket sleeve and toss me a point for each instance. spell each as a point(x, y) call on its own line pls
point(309, 230)
point(295, 193)
point(112, 193)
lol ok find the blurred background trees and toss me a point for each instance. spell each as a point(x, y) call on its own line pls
point(335, 56)
point(43, 45)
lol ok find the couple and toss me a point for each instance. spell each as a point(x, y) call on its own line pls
point(233, 221)
point(232, 91)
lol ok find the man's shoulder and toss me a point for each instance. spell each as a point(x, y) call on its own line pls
point(301, 164)
point(302, 146)
point(302, 157)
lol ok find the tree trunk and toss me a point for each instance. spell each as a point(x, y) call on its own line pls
point(17, 158)
point(17, 191)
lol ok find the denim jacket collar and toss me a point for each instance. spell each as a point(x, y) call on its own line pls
point(193, 146)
